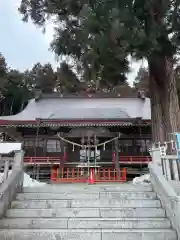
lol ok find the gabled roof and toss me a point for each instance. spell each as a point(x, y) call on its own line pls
point(75, 110)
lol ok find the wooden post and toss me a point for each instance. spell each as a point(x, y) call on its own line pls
point(117, 166)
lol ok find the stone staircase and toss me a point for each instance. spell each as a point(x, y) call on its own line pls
point(87, 212)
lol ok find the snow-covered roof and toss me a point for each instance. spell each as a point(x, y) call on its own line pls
point(78, 109)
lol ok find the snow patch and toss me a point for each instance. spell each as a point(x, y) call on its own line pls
point(29, 182)
point(144, 179)
point(8, 147)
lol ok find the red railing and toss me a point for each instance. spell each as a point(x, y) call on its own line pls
point(43, 159)
point(71, 175)
point(134, 159)
point(122, 160)
point(67, 175)
point(109, 175)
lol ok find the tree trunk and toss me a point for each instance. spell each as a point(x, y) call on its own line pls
point(170, 106)
point(156, 112)
point(165, 105)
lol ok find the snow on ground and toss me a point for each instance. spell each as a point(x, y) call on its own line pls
point(8, 147)
point(28, 181)
point(144, 179)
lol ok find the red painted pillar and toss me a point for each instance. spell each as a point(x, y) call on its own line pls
point(123, 175)
point(54, 174)
point(64, 158)
point(91, 176)
point(64, 155)
point(114, 159)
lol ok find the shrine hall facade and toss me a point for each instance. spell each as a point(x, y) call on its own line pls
point(69, 130)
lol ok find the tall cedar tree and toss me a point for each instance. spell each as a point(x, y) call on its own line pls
point(100, 34)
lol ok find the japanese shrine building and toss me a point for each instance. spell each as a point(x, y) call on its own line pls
point(55, 128)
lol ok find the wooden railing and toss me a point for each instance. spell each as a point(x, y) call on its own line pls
point(36, 160)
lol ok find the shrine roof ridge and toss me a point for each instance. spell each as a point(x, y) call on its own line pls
point(86, 109)
point(39, 95)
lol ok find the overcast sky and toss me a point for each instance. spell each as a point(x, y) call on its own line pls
point(23, 44)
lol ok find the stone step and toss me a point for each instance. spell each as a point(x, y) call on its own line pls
point(119, 223)
point(71, 188)
point(132, 212)
point(114, 203)
point(87, 223)
point(83, 234)
point(139, 234)
point(85, 203)
point(128, 195)
point(87, 212)
point(101, 195)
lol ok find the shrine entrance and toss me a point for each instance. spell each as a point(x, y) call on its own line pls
point(90, 156)
point(90, 163)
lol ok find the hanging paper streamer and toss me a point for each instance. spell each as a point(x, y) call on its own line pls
point(73, 147)
point(173, 146)
point(104, 148)
point(178, 144)
point(82, 145)
point(163, 150)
